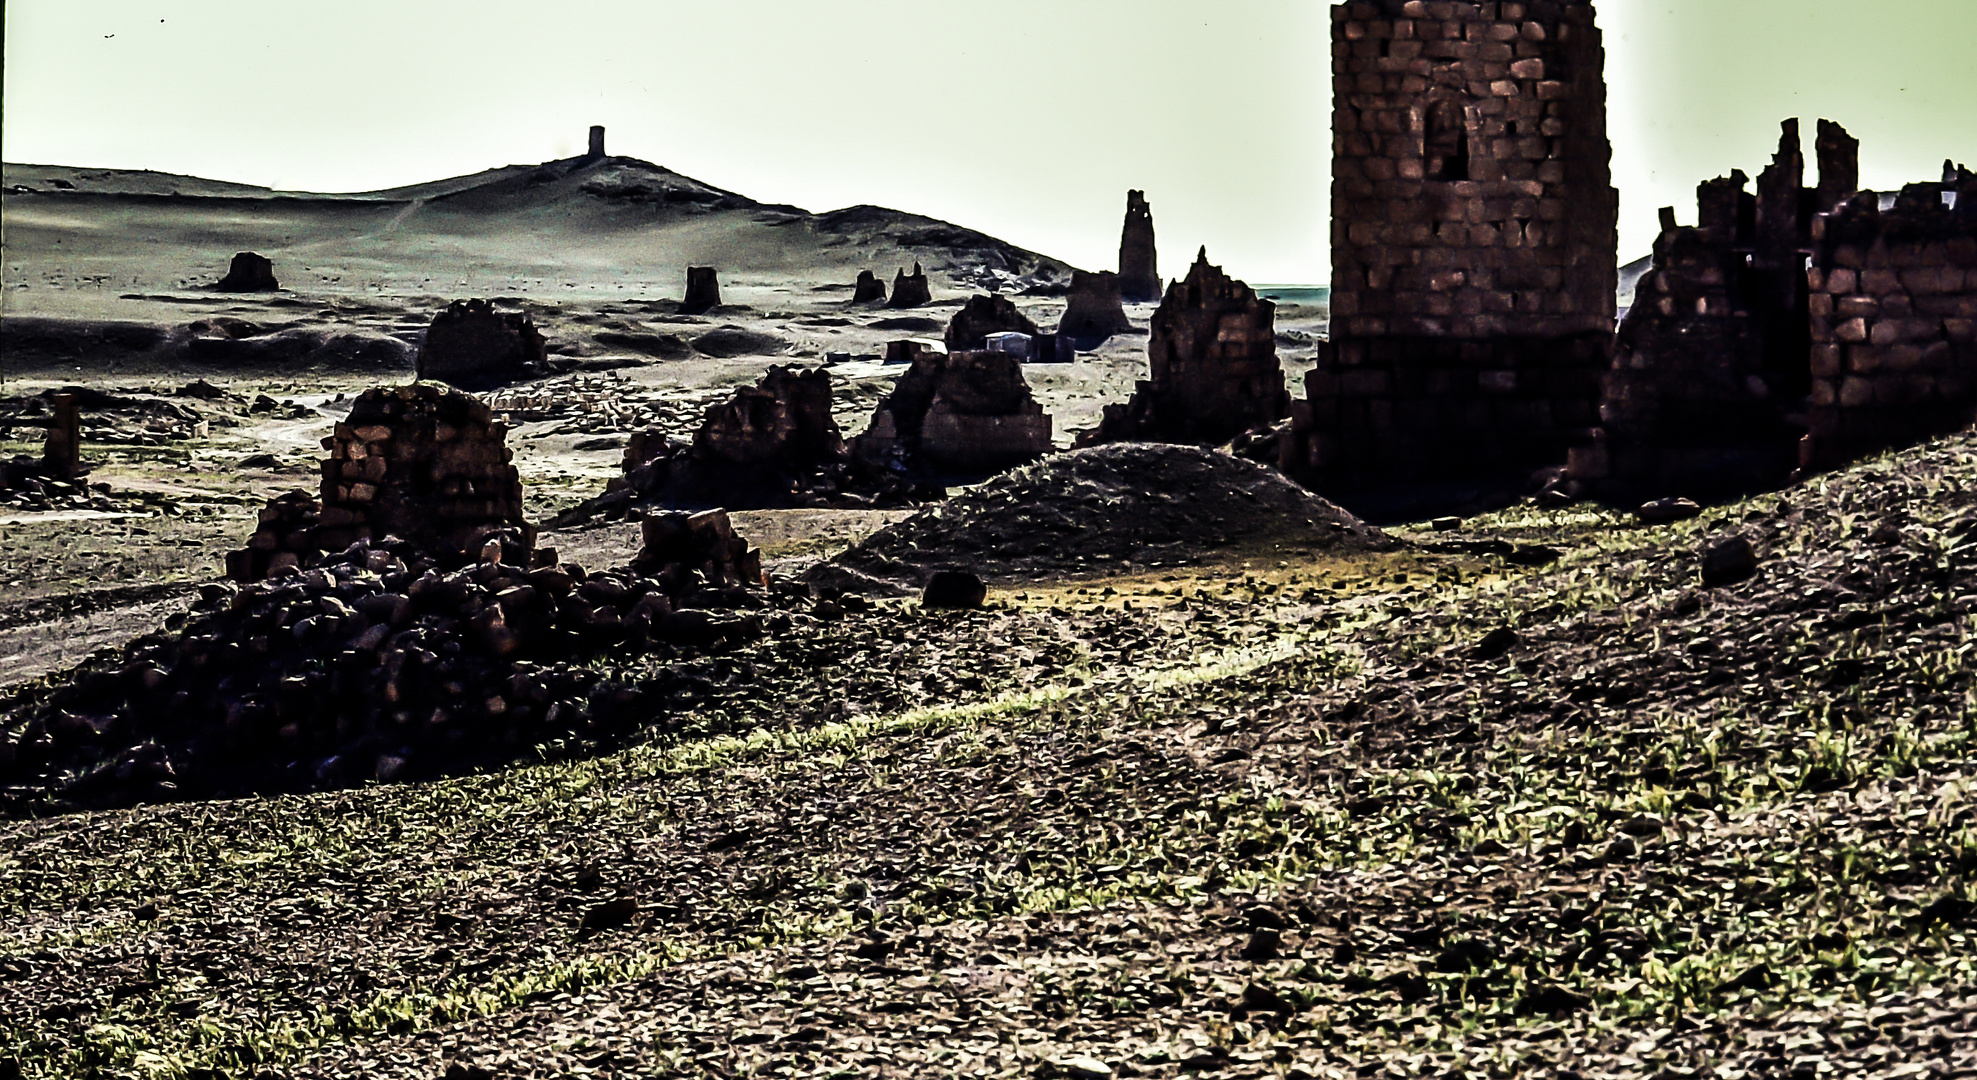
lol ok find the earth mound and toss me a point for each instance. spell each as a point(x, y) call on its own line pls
point(1133, 503)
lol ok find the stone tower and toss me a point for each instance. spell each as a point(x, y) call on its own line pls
point(596, 141)
point(1139, 264)
point(1473, 241)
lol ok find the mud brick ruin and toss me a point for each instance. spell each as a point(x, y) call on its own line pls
point(1213, 363)
point(767, 445)
point(1139, 263)
point(249, 272)
point(869, 289)
point(968, 412)
point(1473, 242)
point(1095, 310)
point(703, 290)
point(676, 544)
point(61, 452)
point(1893, 307)
point(982, 316)
point(425, 463)
point(284, 536)
point(473, 346)
point(910, 290)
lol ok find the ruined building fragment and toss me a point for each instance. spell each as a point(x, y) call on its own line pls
point(61, 452)
point(869, 290)
point(772, 444)
point(968, 412)
point(1893, 320)
point(982, 316)
point(1473, 246)
point(910, 290)
point(1094, 311)
point(473, 346)
point(703, 290)
point(1139, 263)
point(1213, 367)
point(249, 272)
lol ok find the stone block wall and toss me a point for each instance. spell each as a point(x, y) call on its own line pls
point(1894, 321)
point(1474, 244)
point(469, 344)
point(426, 463)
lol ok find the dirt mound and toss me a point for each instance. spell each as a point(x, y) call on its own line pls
point(1134, 503)
point(728, 342)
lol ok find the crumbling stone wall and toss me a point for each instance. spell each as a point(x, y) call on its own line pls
point(964, 412)
point(869, 289)
point(1893, 320)
point(1094, 311)
point(676, 545)
point(473, 346)
point(910, 290)
point(1139, 262)
point(1474, 244)
point(285, 535)
point(1212, 361)
point(982, 316)
point(1709, 367)
point(249, 272)
point(767, 445)
point(425, 463)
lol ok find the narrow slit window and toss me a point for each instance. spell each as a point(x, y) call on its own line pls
point(1446, 142)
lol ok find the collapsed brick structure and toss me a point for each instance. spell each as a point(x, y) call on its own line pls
point(910, 290)
point(284, 536)
point(1474, 244)
point(703, 290)
point(767, 445)
point(968, 412)
point(674, 545)
point(982, 316)
point(1212, 360)
point(473, 346)
point(1893, 308)
point(249, 272)
point(1094, 311)
point(1709, 367)
point(869, 289)
point(1139, 263)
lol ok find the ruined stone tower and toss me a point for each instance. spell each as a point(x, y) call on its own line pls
point(596, 141)
point(1139, 263)
point(1473, 241)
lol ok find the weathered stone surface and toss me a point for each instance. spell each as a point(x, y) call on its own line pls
point(1139, 262)
point(1212, 360)
point(965, 412)
point(473, 346)
point(910, 290)
point(703, 290)
point(869, 290)
point(249, 272)
point(1094, 311)
point(982, 316)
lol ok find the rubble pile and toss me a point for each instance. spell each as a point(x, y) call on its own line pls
point(473, 346)
point(1092, 510)
point(284, 537)
point(967, 412)
point(385, 662)
point(1213, 365)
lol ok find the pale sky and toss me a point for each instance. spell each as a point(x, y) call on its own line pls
point(1026, 119)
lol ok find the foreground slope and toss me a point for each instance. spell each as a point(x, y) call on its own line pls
point(1321, 819)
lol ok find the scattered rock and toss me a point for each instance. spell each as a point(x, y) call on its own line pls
point(954, 589)
point(1728, 560)
point(1661, 511)
point(1496, 643)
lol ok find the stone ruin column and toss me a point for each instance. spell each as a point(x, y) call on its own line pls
point(869, 290)
point(703, 290)
point(61, 455)
point(1139, 263)
point(596, 141)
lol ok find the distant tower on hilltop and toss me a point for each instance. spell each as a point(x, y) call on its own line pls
point(1139, 266)
point(1473, 238)
point(596, 141)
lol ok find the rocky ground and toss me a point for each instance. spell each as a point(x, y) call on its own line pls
point(1431, 810)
